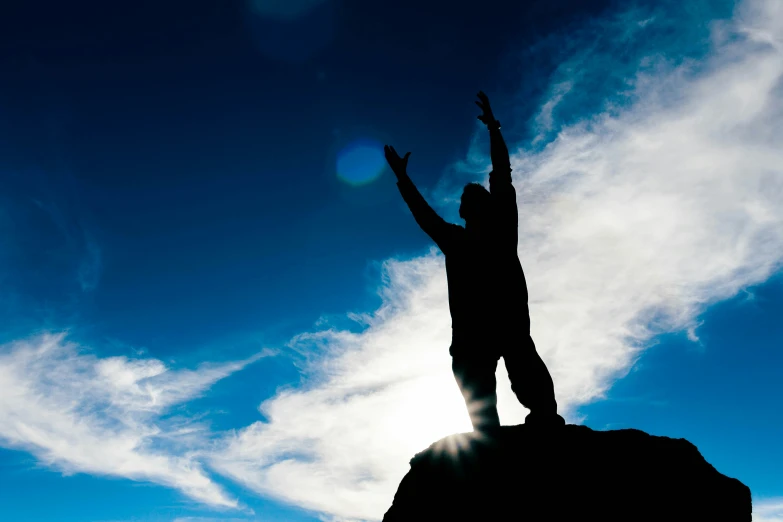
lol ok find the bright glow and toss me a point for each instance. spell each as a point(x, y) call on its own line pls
point(360, 162)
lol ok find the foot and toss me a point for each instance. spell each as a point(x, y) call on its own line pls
point(544, 420)
point(490, 430)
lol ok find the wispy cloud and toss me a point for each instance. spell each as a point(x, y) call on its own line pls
point(80, 413)
point(631, 222)
point(768, 510)
point(545, 118)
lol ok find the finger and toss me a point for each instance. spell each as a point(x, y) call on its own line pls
point(481, 106)
point(407, 154)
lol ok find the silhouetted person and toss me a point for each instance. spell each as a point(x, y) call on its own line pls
point(487, 289)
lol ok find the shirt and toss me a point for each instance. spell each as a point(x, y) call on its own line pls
point(487, 288)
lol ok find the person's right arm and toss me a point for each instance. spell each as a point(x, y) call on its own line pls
point(430, 222)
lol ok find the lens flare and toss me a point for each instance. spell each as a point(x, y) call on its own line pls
point(361, 162)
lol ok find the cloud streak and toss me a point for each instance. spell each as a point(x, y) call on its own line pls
point(768, 510)
point(632, 221)
point(80, 413)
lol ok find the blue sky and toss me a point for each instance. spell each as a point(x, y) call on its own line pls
point(215, 306)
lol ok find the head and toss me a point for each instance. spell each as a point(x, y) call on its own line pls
point(475, 203)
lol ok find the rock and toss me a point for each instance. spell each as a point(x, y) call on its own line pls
point(566, 473)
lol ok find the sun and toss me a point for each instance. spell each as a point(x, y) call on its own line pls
point(426, 409)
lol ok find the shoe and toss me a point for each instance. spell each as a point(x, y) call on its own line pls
point(544, 420)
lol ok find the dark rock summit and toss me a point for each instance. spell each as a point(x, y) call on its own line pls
point(566, 473)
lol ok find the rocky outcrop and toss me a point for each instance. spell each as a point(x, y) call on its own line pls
point(566, 473)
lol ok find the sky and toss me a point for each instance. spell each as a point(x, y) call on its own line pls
point(214, 305)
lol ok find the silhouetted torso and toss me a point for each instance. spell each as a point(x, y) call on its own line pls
point(487, 288)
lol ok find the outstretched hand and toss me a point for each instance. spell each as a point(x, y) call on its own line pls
point(398, 165)
point(486, 116)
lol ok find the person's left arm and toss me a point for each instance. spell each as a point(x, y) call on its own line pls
point(500, 185)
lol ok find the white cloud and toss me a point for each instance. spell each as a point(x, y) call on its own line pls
point(80, 413)
point(355, 426)
point(768, 510)
point(545, 118)
point(630, 224)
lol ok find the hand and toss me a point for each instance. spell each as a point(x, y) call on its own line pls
point(398, 165)
point(487, 118)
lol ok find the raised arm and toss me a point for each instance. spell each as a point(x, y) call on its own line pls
point(500, 177)
point(435, 226)
point(500, 185)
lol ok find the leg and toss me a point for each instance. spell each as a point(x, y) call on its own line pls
point(530, 378)
point(476, 380)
